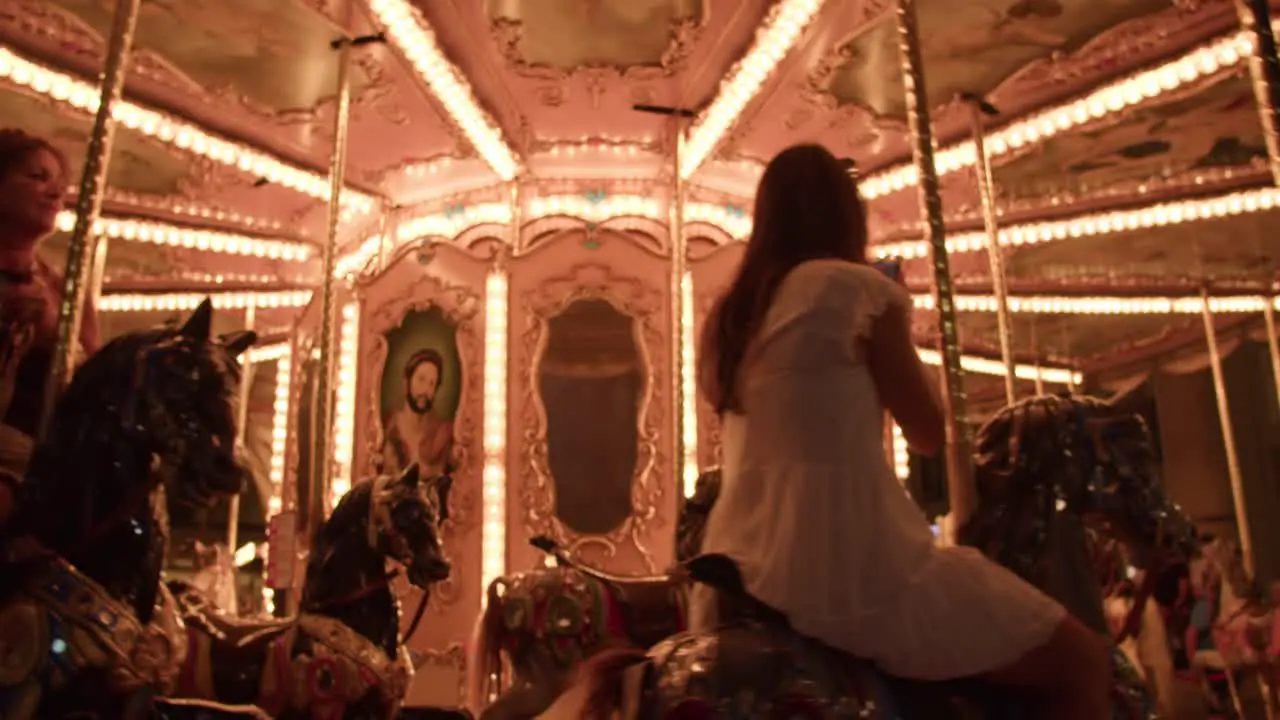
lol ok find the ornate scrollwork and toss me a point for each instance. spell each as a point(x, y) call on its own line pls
point(645, 306)
point(709, 440)
point(461, 306)
point(684, 31)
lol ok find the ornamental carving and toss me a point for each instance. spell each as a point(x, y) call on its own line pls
point(508, 32)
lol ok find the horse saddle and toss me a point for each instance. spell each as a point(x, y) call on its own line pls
point(645, 604)
point(237, 632)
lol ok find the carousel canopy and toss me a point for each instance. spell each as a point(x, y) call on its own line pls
point(1129, 159)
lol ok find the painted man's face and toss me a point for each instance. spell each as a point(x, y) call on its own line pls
point(422, 386)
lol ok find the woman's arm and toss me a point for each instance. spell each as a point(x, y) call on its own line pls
point(908, 390)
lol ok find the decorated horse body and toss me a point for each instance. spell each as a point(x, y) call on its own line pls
point(86, 628)
point(1046, 468)
point(343, 655)
point(548, 621)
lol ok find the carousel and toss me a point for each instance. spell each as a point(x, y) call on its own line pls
point(443, 264)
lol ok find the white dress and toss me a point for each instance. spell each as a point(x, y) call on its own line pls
point(813, 513)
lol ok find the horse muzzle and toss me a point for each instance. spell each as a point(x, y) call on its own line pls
point(427, 572)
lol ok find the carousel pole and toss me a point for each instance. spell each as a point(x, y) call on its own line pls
point(242, 420)
point(995, 254)
point(1035, 353)
point(678, 261)
point(80, 253)
point(322, 455)
point(959, 478)
point(1264, 67)
point(1228, 434)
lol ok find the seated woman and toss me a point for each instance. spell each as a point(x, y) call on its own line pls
point(800, 358)
point(33, 181)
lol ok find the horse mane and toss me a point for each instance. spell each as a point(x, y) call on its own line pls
point(351, 512)
point(88, 435)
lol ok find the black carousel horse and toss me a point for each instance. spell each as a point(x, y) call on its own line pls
point(343, 655)
point(1046, 468)
point(86, 629)
point(546, 622)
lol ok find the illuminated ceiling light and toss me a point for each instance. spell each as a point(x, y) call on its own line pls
point(1165, 214)
point(737, 224)
point(1110, 99)
point(774, 40)
point(987, 366)
point(413, 36)
point(146, 302)
point(448, 225)
point(1103, 305)
point(83, 97)
point(577, 206)
point(158, 233)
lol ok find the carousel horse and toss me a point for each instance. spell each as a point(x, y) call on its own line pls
point(548, 621)
point(1046, 468)
point(342, 656)
point(87, 630)
point(215, 576)
point(1240, 633)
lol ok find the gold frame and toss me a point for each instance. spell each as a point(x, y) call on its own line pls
point(644, 304)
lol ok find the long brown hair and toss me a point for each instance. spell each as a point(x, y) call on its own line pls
point(806, 208)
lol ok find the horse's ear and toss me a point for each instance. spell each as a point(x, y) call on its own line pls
point(411, 477)
point(444, 484)
point(718, 571)
point(199, 326)
point(237, 342)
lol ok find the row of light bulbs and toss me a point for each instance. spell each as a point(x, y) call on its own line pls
point(1110, 99)
point(979, 365)
point(344, 408)
point(84, 97)
point(776, 37)
point(688, 388)
point(173, 302)
point(1102, 305)
point(494, 486)
point(418, 43)
point(1165, 214)
point(160, 233)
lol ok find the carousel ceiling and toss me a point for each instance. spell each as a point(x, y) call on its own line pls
point(1129, 158)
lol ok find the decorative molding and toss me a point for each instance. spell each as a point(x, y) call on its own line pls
point(646, 306)
point(684, 32)
point(710, 443)
point(453, 658)
point(461, 306)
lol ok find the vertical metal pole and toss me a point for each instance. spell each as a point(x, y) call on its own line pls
point(1264, 67)
point(76, 282)
point(678, 250)
point(1228, 434)
point(959, 477)
point(995, 253)
point(1035, 353)
point(322, 455)
point(242, 420)
point(1273, 341)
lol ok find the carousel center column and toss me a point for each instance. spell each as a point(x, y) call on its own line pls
point(960, 489)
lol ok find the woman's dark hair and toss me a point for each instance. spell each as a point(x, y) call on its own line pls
point(18, 145)
point(806, 208)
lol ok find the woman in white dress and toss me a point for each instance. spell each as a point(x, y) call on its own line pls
point(801, 357)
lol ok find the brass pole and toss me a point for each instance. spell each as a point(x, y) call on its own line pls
point(242, 421)
point(76, 283)
point(1273, 341)
point(1035, 353)
point(322, 455)
point(959, 478)
point(995, 253)
point(1264, 67)
point(1228, 434)
point(678, 251)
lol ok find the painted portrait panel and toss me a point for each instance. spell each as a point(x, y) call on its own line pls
point(420, 390)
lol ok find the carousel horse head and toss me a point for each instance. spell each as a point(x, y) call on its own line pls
point(1049, 469)
point(150, 409)
point(388, 517)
